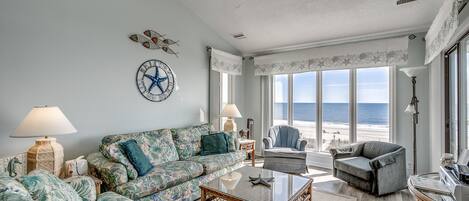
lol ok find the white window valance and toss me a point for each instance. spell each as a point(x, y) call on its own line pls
point(385, 52)
point(442, 29)
point(225, 62)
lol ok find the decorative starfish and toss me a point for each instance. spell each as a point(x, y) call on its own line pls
point(156, 80)
point(260, 180)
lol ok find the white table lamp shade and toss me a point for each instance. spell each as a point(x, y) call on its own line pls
point(44, 121)
point(230, 110)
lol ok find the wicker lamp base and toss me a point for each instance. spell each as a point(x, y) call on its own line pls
point(46, 154)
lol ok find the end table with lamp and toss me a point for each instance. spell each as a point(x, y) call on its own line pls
point(46, 153)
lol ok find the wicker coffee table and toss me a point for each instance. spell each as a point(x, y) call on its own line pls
point(285, 187)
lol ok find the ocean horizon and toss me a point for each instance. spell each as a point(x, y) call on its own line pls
point(367, 113)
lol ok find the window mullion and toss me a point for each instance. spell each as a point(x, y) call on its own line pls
point(290, 99)
point(353, 106)
point(319, 110)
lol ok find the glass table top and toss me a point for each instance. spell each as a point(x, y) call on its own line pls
point(236, 184)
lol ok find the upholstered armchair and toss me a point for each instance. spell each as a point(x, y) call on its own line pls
point(284, 150)
point(376, 167)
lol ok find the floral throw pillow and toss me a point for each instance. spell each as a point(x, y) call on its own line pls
point(47, 187)
point(10, 189)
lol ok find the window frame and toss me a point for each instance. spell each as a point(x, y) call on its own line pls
point(231, 94)
point(352, 103)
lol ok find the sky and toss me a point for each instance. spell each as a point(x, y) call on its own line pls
point(372, 86)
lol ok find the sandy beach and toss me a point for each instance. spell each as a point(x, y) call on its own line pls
point(338, 134)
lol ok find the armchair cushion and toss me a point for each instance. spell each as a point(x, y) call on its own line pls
point(284, 136)
point(10, 189)
point(373, 149)
point(84, 186)
point(283, 152)
point(358, 166)
point(113, 174)
point(47, 187)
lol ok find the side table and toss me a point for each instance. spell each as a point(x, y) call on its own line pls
point(97, 183)
point(249, 146)
point(423, 195)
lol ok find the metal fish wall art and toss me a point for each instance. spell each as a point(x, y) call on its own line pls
point(154, 40)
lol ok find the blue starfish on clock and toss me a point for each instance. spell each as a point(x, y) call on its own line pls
point(156, 80)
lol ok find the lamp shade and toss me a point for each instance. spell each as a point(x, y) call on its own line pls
point(410, 109)
point(44, 121)
point(230, 110)
point(412, 71)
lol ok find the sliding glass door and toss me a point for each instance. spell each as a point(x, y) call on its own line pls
point(335, 107)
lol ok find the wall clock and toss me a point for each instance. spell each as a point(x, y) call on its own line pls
point(155, 80)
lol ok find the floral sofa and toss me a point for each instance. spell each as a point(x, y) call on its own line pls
point(40, 185)
point(178, 170)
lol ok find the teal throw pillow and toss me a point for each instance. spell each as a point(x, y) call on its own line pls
point(230, 141)
point(136, 157)
point(214, 144)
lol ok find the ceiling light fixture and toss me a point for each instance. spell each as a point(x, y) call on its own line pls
point(239, 36)
point(400, 2)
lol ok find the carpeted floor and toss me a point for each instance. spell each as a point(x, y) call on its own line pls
point(324, 181)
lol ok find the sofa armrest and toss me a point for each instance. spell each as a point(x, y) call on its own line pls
point(389, 172)
point(112, 173)
point(267, 143)
point(111, 196)
point(346, 151)
point(386, 159)
point(84, 186)
point(301, 144)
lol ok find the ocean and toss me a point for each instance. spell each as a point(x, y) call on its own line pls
point(367, 113)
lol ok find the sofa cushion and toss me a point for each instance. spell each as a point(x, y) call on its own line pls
point(10, 189)
point(284, 152)
point(373, 149)
point(161, 177)
point(136, 156)
point(214, 144)
point(212, 163)
point(358, 166)
point(188, 140)
point(157, 145)
point(44, 186)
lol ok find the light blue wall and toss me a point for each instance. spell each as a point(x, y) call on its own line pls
point(75, 54)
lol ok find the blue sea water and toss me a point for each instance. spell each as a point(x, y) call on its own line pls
point(367, 113)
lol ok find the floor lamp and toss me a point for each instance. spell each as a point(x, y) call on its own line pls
point(413, 108)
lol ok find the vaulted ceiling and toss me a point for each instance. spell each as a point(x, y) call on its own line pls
point(276, 24)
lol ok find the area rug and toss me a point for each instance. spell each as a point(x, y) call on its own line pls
point(326, 196)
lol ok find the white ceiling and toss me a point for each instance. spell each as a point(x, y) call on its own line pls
point(276, 24)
